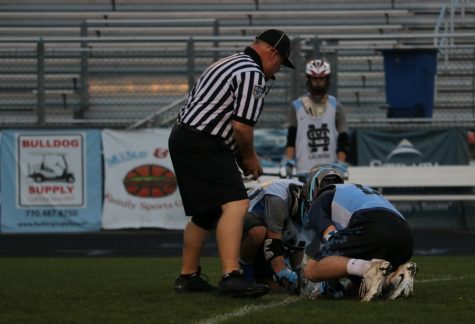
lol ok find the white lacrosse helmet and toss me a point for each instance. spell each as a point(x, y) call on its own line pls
point(318, 68)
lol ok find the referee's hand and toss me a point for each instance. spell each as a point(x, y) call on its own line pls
point(251, 166)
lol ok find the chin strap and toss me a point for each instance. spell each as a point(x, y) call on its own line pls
point(318, 97)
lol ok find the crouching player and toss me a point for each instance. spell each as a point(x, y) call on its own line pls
point(273, 235)
point(360, 235)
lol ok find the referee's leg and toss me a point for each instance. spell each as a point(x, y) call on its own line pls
point(194, 238)
point(228, 236)
point(229, 233)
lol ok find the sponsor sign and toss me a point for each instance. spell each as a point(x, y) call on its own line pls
point(140, 189)
point(54, 181)
point(424, 148)
point(50, 170)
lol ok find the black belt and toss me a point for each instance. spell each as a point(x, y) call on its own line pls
point(191, 128)
point(184, 126)
point(180, 125)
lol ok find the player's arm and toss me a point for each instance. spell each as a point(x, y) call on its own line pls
point(319, 215)
point(277, 263)
point(343, 142)
point(288, 163)
point(291, 134)
point(276, 215)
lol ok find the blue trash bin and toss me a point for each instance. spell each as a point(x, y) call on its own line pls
point(409, 75)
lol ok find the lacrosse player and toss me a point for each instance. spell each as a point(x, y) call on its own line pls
point(273, 235)
point(358, 234)
point(317, 131)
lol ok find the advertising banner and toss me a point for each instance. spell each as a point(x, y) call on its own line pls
point(270, 146)
point(140, 189)
point(421, 148)
point(54, 181)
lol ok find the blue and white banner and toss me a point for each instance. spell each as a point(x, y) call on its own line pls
point(140, 189)
point(416, 148)
point(270, 146)
point(54, 181)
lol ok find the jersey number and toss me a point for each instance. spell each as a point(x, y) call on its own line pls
point(368, 191)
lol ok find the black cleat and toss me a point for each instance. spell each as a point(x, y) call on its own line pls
point(195, 282)
point(236, 285)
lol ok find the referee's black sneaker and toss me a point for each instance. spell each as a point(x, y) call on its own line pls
point(236, 285)
point(195, 282)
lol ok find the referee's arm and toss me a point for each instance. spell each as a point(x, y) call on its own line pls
point(249, 93)
point(247, 159)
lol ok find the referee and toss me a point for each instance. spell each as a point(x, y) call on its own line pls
point(212, 136)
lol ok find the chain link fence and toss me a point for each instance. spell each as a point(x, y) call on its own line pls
point(118, 84)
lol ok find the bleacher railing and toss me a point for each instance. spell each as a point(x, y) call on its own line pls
point(446, 24)
point(121, 81)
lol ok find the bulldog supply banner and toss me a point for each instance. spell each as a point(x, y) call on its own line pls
point(140, 188)
point(54, 181)
point(422, 148)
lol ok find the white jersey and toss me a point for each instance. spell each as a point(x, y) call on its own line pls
point(279, 188)
point(317, 136)
point(294, 235)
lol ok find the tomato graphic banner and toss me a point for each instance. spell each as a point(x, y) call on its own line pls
point(54, 181)
point(140, 189)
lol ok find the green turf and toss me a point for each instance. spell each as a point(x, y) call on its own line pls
point(140, 290)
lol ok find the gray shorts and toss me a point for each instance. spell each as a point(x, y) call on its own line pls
point(251, 220)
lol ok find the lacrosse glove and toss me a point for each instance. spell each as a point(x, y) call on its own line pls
point(287, 279)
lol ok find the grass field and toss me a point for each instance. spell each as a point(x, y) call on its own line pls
point(140, 290)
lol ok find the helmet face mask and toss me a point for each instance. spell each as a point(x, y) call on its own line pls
point(329, 180)
point(318, 74)
point(295, 195)
point(316, 87)
point(319, 177)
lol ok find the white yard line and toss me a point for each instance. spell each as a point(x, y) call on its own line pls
point(443, 279)
point(247, 309)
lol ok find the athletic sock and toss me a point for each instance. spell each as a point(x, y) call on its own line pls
point(248, 270)
point(357, 267)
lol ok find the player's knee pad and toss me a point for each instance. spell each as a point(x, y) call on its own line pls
point(208, 219)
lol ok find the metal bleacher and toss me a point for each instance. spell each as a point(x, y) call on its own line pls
point(115, 62)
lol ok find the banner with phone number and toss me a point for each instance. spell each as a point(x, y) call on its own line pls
point(54, 181)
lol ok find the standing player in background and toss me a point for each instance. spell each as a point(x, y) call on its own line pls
point(212, 136)
point(318, 131)
point(358, 234)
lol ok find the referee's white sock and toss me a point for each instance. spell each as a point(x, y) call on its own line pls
point(357, 267)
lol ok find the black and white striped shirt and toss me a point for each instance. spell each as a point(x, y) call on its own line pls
point(230, 89)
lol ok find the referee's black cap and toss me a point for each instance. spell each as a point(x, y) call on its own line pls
point(280, 41)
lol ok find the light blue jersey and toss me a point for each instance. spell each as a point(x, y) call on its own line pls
point(351, 198)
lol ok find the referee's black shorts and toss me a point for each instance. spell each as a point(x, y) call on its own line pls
point(206, 172)
point(371, 234)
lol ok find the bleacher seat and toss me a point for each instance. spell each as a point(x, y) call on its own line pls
point(360, 73)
